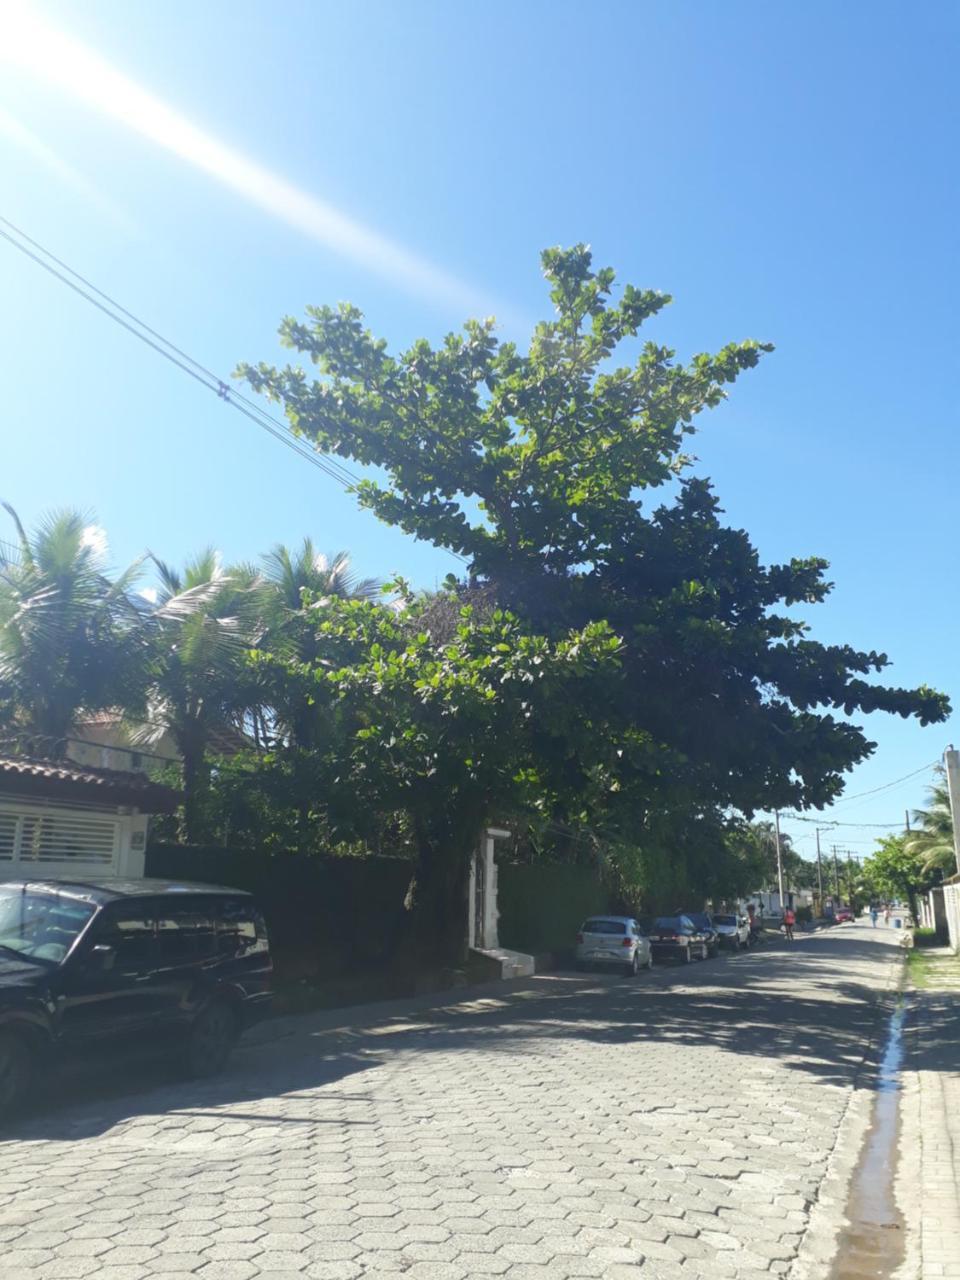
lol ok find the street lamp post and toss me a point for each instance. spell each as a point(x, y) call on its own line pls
point(951, 763)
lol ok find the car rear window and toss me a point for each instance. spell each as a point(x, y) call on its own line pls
point(186, 929)
point(240, 928)
point(724, 919)
point(668, 923)
point(604, 926)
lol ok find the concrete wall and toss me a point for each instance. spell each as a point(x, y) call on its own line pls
point(951, 906)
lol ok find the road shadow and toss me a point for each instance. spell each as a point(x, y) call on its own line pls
point(816, 1007)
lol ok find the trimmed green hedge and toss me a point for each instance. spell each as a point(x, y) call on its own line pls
point(541, 907)
point(326, 916)
point(333, 916)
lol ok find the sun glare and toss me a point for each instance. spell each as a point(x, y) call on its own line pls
point(32, 44)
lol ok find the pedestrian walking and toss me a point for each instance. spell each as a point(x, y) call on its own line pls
point(873, 915)
point(789, 920)
point(886, 914)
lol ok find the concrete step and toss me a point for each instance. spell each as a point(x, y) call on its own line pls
point(513, 964)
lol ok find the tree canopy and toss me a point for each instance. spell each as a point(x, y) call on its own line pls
point(536, 467)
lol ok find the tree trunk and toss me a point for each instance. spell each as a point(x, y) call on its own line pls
point(439, 892)
point(912, 900)
point(194, 786)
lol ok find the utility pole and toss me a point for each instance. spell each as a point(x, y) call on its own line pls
point(951, 763)
point(836, 873)
point(907, 815)
point(819, 871)
point(776, 821)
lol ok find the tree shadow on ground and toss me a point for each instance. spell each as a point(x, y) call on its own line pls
point(818, 1007)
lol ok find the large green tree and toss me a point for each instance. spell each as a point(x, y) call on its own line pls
point(537, 467)
point(454, 722)
point(897, 871)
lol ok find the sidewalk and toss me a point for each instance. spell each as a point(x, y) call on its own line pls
point(930, 1185)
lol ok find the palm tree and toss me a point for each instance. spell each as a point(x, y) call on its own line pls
point(70, 637)
point(298, 584)
point(205, 622)
point(933, 843)
point(291, 573)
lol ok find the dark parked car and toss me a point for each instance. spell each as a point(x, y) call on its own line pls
point(677, 937)
point(94, 964)
point(704, 923)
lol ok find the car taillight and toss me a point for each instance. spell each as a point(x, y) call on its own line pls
point(628, 942)
point(579, 939)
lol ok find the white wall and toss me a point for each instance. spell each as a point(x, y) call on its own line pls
point(951, 902)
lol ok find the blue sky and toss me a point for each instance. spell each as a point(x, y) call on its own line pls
point(785, 171)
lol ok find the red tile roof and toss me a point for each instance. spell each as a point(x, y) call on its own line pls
point(63, 778)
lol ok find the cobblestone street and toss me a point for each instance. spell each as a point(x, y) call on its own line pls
point(676, 1125)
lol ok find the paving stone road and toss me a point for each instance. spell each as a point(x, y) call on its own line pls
point(676, 1125)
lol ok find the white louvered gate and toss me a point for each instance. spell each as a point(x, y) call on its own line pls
point(44, 841)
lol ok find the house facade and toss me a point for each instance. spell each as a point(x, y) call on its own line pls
point(59, 820)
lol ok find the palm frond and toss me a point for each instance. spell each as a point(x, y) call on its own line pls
point(26, 554)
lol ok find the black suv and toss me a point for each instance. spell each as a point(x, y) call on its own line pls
point(94, 963)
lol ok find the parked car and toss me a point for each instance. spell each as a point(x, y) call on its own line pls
point(842, 915)
point(100, 964)
point(734, 929)
point(704, 923)
point(678, 938)
point(615, 940)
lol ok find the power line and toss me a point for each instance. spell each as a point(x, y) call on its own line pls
point(170, 352)
point(887, 785)
point(825, 823)
point(104, 303)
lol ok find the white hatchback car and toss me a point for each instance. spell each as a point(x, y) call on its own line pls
point(733, 928)
point(613, 940)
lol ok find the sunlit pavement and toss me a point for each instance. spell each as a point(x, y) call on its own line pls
point(676, 1125)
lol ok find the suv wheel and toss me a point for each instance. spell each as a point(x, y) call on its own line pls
point(211, 1040)
point(16, 1071)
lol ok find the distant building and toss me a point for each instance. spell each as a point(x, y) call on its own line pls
point(768, 900)
point(104, 741)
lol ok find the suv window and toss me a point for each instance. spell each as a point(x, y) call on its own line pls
point(240, 928)
point(186, 930)
point(129, 929)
